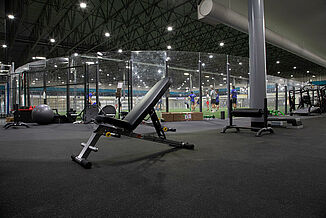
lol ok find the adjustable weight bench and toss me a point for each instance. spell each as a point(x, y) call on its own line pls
point(110, 126)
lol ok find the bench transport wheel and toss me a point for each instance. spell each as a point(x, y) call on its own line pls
point(83, 162)
point(108, 134)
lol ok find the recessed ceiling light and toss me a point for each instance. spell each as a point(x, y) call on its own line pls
point(75, 54)
point(186, 74)
point(120, 50)
point(294, 67)
point(52, 40)
point(240, 63)
point(308, 71)
point(99, 53)
point(169, 28)
point(169, 47)
point(291, 75)
point(278, 72)
point(38, 58)
point(107, 34)
point(221, 44)
point(4, 46)
point(211, 56)
point(10, 16)
point(277, 62)
point(83, 5)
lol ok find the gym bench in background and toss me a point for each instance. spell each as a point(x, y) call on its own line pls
point(249, 112)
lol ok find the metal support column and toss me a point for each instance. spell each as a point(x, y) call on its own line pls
point(286, 99)
point(28, 91)
point(200, 87)
point(276, 96)
point(257, 54)
point(130, 83)
point(24, 88)
point(293, 96)
point(97, 80)
point(44, 88)
point(8, 101)
point(229, 105)
point(85, 86)
point(167, 93)
point(68, 86)
point(19, 90)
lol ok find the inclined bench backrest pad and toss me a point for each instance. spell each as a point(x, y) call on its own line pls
point(141, 110)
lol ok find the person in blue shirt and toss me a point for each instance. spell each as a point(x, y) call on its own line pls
point(234, 96)
point(217, 100)
point(192, 97)
point(90, 95)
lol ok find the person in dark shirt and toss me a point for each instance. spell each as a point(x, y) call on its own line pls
point(217, 101)
point(192, 97)
point(234, 97)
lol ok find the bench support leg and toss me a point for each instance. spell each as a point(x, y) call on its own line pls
point(88, 148)
point(157, 125)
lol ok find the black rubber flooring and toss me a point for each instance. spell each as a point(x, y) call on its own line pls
point(227, 175)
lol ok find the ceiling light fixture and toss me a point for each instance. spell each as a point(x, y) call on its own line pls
point(169, 28)
point(221, 44)
point(11, 17)
point(52, 40)
point(107, 34)
point(83, 5)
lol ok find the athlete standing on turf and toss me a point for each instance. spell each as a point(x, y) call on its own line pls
point(90, 95)
point(207, 100)
point(213, 99)
point(217, 100)
point(192, 97)
point(234, 96)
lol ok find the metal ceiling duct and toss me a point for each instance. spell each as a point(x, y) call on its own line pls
point(209, 11)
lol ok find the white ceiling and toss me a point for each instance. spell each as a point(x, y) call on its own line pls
point(300, 21)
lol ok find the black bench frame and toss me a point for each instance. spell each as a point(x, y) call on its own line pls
point(116, 128)
point(249, 112)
